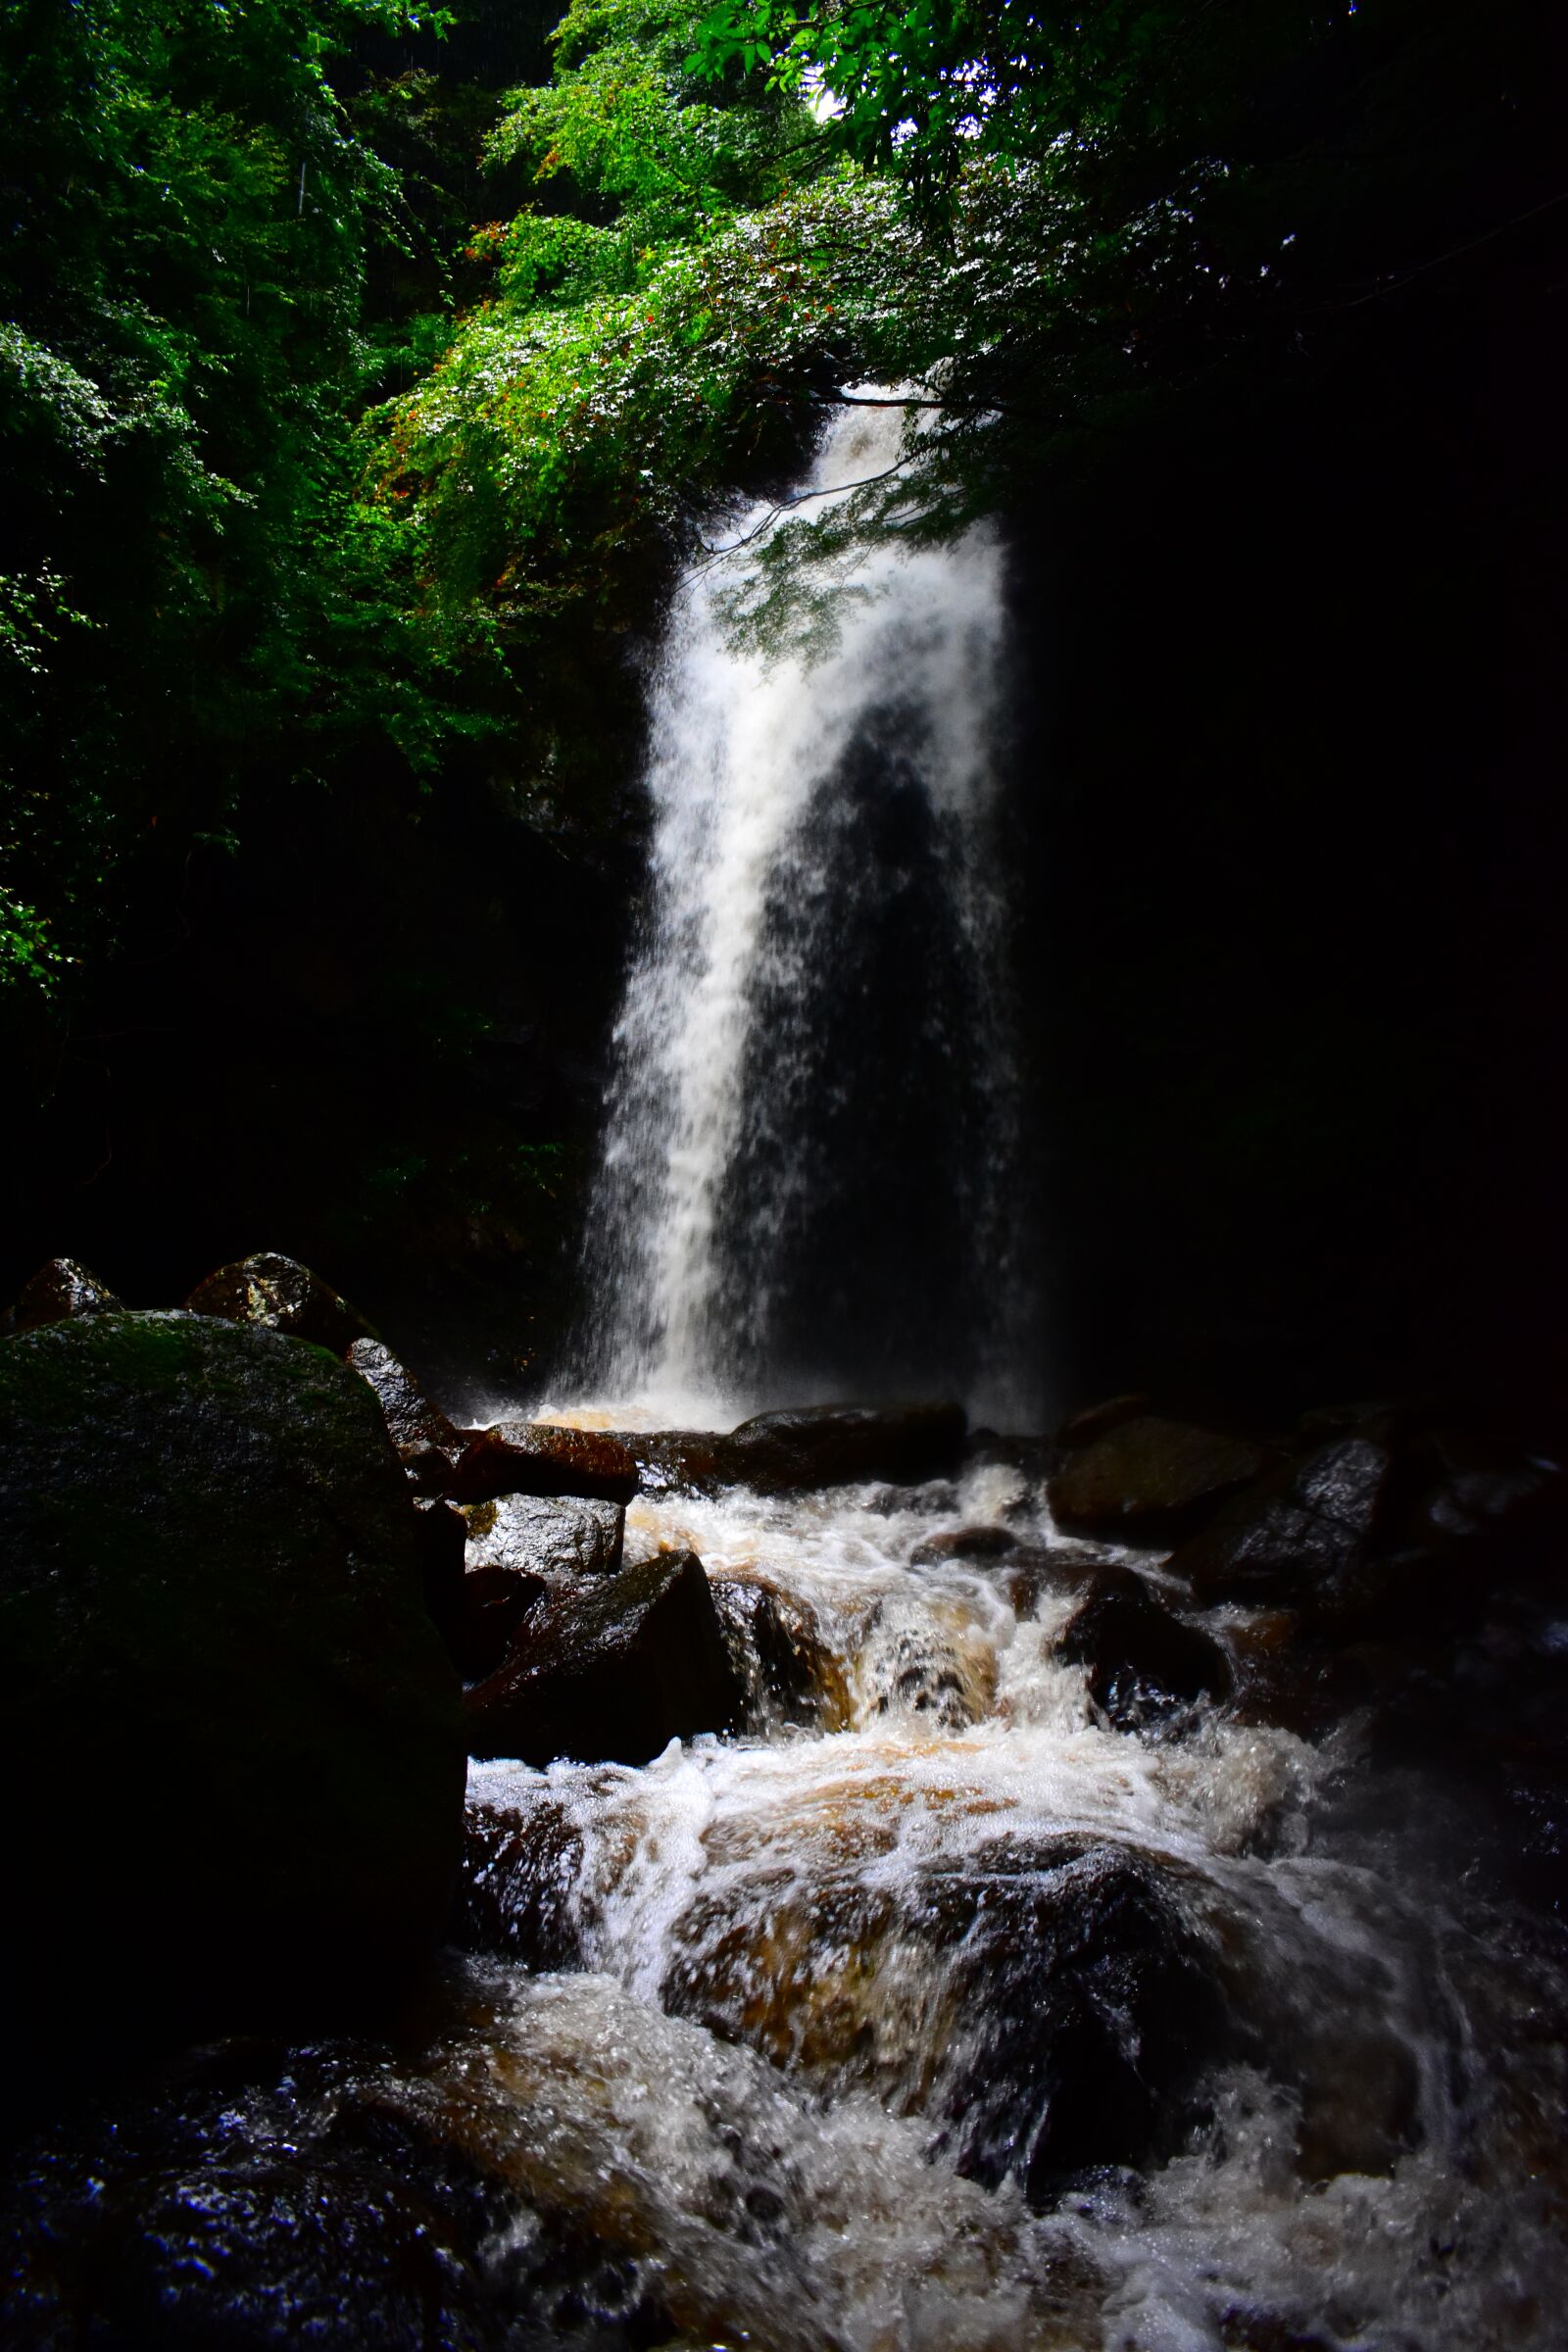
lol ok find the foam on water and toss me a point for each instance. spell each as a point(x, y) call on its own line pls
point(1364, 2174)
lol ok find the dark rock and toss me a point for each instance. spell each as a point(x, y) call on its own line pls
point(788, 1673)
point(675, 1460)
point(1150, 1481)
point(610, 1670)
point(1098, 1420)
point(1069, 1999)
point(1143, 1663)
point(493, 1604)
point(265, 2198)
point(264, 2256)
point(442, 1536)
point(223, 1689)
point(1294, 1533)
point(547, 1536)
point(429, 1445)
point(59, 1291)
point(522, 1872)
point(842, 1445)
point(1100, 2006)
point(285, 1297)
point(531, 1457)
point(985, 1542)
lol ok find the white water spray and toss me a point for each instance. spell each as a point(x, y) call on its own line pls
point(825, 941)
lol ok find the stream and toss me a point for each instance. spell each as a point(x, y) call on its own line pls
point(933, 2012)
point(942, 2005)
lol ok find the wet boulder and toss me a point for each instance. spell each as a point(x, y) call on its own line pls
point(533, 1457)
point(1144, 1663)
point(546, 1537)
point(675, 1460)
point(1088, 2005)
point(987, 1542)
point(610, 1670)
point(1045, 2006)
point(1150, 1481)
point(842, 1445)
point(429, 1445)
point(1294, 1534)
point(231, 1739)
point(59, 1291)
point(261, 2198)
point(787, 1671)
point(284, 1296)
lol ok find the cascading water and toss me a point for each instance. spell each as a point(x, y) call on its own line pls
point(809, 1181)
point(937, 2006)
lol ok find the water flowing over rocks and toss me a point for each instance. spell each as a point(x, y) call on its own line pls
point(1143, 1663)
point(225, 1692)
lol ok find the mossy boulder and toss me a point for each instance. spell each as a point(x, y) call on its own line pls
point(231, 1741)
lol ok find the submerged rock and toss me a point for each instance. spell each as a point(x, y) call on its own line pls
point(226, 1702)
point(545, 1537)
point(59, 1291)
point(1150, 1480)
point(1144, 1663)
point(284, 1296)
point(842, 1445)
point(532, 1458)
point(610, 1670)
point(429, 1445)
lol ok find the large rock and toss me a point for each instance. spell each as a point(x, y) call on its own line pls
point(1144, 1663)
point(231, 1741)
point(534, 1458)
point(262, 2198)
point(1296, 1531)
point(429, 1445)
point(1045, 2005)
point(59, 1291)
point(787, 1671)
point(1150, 1481)
point(610, 1670)
point(842, 1445)
point(282, 1295)
point(546, 1537)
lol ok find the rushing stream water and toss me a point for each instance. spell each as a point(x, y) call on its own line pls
point(934, 1918)
point(934, 2009)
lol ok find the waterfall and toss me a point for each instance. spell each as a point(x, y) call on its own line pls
point(808, 1179)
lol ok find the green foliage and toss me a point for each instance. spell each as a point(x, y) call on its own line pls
point(191, 587)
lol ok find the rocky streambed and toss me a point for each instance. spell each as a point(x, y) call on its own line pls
point(915, 1888)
